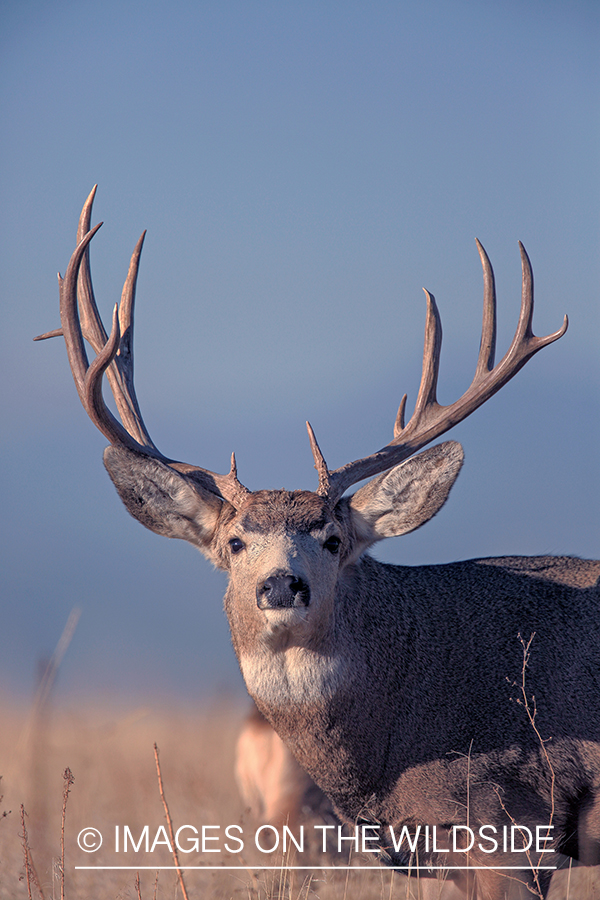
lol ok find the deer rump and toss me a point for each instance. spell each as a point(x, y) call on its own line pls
point(433, 696)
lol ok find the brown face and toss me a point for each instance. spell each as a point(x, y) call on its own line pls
point(286, 553)
point(283, 551)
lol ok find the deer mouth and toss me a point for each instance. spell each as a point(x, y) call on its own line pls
point(284, 626)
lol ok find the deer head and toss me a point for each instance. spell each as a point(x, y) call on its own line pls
point(285, 552)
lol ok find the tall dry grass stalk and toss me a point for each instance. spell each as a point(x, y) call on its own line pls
point(68, 780)
point(31, 875)
point(529, 705)
point(169, 823)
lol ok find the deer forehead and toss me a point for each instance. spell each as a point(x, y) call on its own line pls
point(282, 512)
point(284, 523)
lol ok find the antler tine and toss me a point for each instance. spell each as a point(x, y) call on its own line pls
point(487, 347)
point(69, 316)
point(114, 355)
point(91, 324)
point(320, 464)
point(426, 398)
point(399, 423)
point(430, 420)
point(120, 373)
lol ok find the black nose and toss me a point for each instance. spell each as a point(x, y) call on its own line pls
point(282, 592)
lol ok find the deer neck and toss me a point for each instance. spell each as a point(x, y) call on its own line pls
point(316, 696)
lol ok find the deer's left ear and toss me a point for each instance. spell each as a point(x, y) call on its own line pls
point(407, 496)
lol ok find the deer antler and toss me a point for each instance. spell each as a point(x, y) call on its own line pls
point(114, 355)
point(430, 419)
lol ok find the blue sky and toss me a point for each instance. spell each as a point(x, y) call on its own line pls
point(303, 170)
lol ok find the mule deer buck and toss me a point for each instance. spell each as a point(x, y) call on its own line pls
point(396, 688)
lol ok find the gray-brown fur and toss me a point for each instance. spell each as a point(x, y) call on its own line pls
point(398, 688)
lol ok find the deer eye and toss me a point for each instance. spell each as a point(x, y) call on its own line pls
point(332, 544)
point(235, 545)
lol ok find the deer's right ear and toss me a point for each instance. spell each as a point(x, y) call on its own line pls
point(162, 499)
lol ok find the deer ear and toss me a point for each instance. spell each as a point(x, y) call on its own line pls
point(163, 499)
point(407, 496)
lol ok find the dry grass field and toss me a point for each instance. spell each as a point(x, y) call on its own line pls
point(110, 753)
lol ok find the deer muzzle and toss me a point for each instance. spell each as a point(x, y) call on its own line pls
point(282, 591)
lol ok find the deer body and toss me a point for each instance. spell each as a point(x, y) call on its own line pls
point(460, 694)
point(439, 696)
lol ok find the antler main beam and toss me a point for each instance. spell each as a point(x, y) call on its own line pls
point(430, 420)
point(81, 321)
